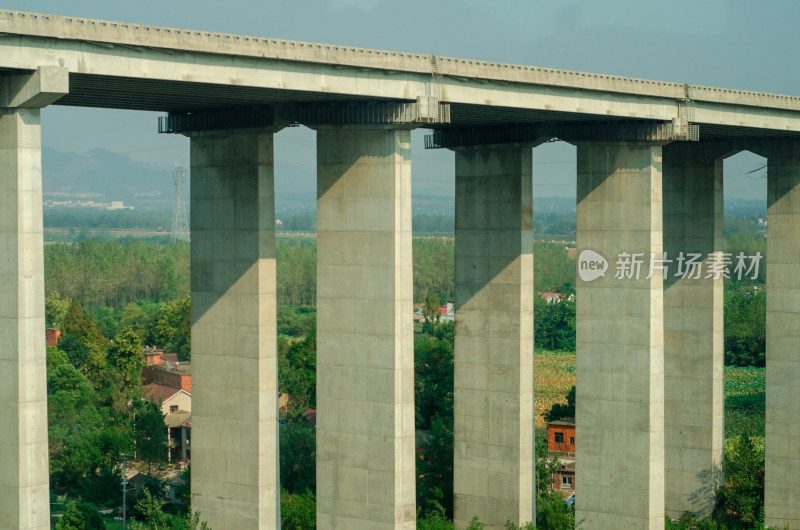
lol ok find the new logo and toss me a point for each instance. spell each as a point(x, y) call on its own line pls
point(591, 265)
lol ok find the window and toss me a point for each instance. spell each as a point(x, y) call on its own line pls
point(173, 409)
point(572, 440)
point(566, 482)
point(559, 438)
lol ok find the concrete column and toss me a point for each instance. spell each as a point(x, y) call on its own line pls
point(782, 479)
point(493, 431)
point(620, 340)
point(693, 329)
point(365, 350)
point(24, 474)
point(234, 409)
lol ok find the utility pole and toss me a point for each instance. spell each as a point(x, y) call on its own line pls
point(124, 459)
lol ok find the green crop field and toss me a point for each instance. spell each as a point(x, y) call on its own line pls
point(744, 392)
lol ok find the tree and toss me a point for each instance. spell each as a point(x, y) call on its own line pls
point(297, 374)
point(559, 411)
point(72, 518)
point(745, 327)
point(150, 508)
point(435, 469)
point(433, 307)
point(55, 309)
point(551, 512)
point(298, 511)
point(125, 354)
point(83, 342)
point(150, 433)
point(554, 324)
point(174, 328)
point(80, 516)
point(740, 501)
point(297, 450)
point(433, 379)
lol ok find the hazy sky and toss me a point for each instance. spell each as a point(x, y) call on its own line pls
point(744, 44)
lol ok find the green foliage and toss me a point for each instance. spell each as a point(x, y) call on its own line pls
point(433, 385)
point(114, 273)
point(529, 526)
point(297, 449)
point(435, 469)
point(174, 328)
point(150, 433)
point(141, 316)
point(433, 379)
point(434, 266)
point(125, 354)
point(559, 411)
point(298, 511)
point(434, 521)
point(150, 509)
point(296, 322)
point(432, 307)
point(554, 271)
point(749, 244)
point(475, 524)
point(745, 401)
point(745, 327)
point(83, 343)
point(72, 518)
point(297, 374)
point(55, 358)
point(554, 324)
point(296, 262)
point(193, 521)
point(740, 500)
point(55, 309)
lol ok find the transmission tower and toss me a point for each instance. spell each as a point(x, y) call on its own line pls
point(180, 221)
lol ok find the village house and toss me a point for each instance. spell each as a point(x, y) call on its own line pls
point(169, 383)
point(561, 445)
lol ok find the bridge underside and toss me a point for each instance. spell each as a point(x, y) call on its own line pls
point(136, 93)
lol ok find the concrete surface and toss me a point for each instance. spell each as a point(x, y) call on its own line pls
point(234, 364)
point(619, 468)
point(693, 329)
point(365, 339)
point(317, 71)
point(782, 480)
point(493, 430)
point(24, 472)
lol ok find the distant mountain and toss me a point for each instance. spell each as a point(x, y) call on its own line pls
point(104, 176)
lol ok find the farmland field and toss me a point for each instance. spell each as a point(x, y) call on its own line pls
point(744, 392)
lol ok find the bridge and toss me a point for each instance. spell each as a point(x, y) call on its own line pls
point(649, 411)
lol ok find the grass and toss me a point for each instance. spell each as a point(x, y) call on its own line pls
point(744, 392)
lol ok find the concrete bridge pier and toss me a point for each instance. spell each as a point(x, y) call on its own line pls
point(693, 327)
point(24, 472)
point(365, 351)
point(782, 444)
point(493, 430)
point(235, 409)
point(24, 469)
point(620, 339)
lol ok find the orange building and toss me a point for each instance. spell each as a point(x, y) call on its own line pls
point(178, 375)
point(561, 436)
point(51, 336)
point(561, 444)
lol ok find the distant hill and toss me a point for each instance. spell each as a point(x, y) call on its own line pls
point(104, 176)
